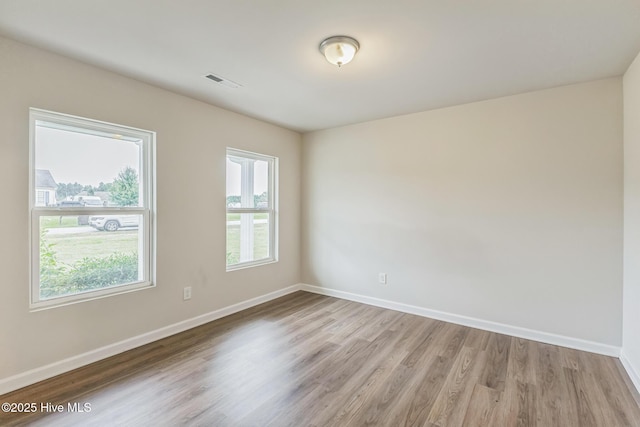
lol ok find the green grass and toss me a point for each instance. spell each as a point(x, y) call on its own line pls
point(260, 243)
point(71, 248)
point(47, 222)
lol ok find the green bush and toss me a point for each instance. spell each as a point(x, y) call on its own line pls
point(84, 275)
point(93, 273)
point(51, 271)
point(232, 258)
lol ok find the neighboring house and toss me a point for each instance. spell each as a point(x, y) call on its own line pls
point(45, 188)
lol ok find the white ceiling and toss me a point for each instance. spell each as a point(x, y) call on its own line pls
point(415, 54)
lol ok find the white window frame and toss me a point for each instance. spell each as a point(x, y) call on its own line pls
point(147, 210)
point(271, 209)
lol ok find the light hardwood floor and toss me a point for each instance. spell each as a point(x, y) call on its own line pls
point(311, 360)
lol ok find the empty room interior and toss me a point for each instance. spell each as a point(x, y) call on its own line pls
point(284, 213)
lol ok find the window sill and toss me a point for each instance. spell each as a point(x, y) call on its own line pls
point(251, 264)
point(89, 296)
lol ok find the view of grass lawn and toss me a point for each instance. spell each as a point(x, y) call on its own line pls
point(71, 248)
point(261, 242)
point(81, 259)
point(47, 222)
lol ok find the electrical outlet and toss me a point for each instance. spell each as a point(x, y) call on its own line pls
point(382, 278)
point(186, 293)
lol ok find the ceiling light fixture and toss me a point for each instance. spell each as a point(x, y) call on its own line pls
point(339, 50)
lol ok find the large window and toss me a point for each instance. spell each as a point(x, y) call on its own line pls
point(251, 209)
point(91, 200)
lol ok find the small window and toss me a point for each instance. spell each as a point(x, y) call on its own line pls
point(42, 198)
point(91, 209)
point(251, 209)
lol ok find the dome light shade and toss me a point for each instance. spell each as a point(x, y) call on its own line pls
point(339, 50)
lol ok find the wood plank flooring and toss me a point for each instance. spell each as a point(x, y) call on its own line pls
point(311, 360)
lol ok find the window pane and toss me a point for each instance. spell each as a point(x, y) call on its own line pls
point(250, 236)
point(247, 183)
point(84, 253)
point(261, 184)
point(77, 167)
point(234, 182)
point(247, 237)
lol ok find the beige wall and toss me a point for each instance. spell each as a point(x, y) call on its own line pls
point(191, 142)
point(631, 310)
point(508, 210)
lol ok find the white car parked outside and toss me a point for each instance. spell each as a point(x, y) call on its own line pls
point(113, 222)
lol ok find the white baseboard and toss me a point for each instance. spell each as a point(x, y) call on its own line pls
point(633, 373)
point(545, 337)
point(35, 375)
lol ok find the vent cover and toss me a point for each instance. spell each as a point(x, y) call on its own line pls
point(214, 78)
point(223, 81)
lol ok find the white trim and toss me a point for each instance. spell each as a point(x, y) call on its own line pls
point(39, 374)
point(633, 373)
point(545, 337)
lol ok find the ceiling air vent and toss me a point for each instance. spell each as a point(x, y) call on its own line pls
point(223, 81)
